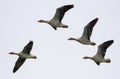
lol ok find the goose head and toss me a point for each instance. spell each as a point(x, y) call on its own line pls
point(71, 38)
point(12, 53)
point(86, 57)
point(43, 21)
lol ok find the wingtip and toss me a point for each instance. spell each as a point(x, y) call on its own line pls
point(111, 41)
point(14, 71)
point(96, 18)
point(31, 41)
point(72, 5)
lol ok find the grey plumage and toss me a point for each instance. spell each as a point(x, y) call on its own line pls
point(102, 48)
point(55, 22)
point(20, 61)
point(60, 12)
point(99, 57)
point(88, 29)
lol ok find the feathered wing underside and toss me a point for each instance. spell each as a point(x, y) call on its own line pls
point(88, 29)
point(18, 64)
point(59, 14)
point(28, 47)
point(103, 47)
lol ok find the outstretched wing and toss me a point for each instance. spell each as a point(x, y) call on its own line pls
point(88, 29)
point(61, 11)
point(103, 47)
point(28, 47)
point(18, 64)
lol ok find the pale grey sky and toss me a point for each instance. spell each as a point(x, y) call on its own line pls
point(58, 58)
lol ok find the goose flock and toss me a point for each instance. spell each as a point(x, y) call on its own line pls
point(55, 22)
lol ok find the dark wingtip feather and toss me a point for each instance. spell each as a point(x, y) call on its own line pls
point(14, 70)
point(105, 45)
point(71, 5)
point(68, 7)
point(30, 42)
point(93, 22)
point(111, 41)
point(96, 19)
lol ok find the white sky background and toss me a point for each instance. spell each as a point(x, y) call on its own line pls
point(58, 58)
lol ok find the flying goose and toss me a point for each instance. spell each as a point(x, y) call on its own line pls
point(56, 20)
point(85, 38)
point(25, 53)
point(99, 57)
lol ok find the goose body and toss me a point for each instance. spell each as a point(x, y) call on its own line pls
point(59, 14)
point(85, 38)
point(99, 57)
point(23, 55)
